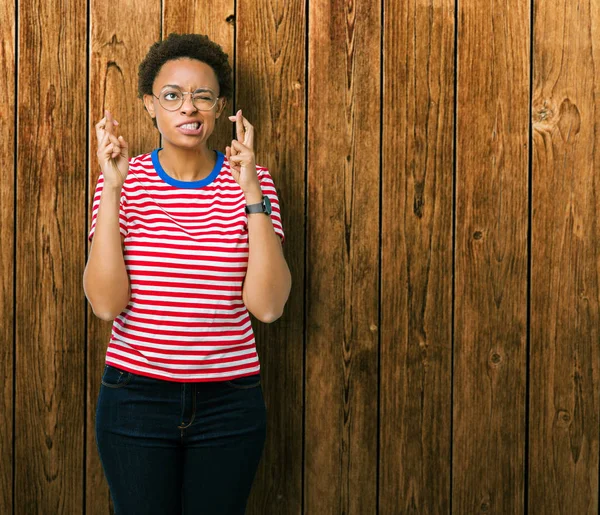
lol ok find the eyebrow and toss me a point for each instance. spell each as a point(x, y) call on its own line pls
point(201, 88)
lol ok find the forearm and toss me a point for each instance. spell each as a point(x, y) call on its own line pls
point(105, 279)
point(268, 279)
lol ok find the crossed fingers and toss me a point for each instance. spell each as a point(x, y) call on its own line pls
point(109, 146)
point(241, 151)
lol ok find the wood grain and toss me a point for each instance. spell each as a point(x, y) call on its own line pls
point(565, 260)
point(216, 19)
point(342, 257)
point(117, 48)
point(446, 443)
point(416, 254)
point(50, 348)
point(491, 258)
point(7, 220)
point(270, 89)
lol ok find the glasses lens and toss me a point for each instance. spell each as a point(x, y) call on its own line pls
point(204, 100)
point(170, 99)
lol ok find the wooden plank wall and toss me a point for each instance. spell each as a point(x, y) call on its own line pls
point(7, 221)
point(565, 257)
point(50, 211)
point(438, 170)
point(416, 258)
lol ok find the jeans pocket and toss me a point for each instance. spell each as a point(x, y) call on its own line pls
point(244, 383)
point(115, 378)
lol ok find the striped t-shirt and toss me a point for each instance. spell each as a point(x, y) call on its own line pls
point(186, 253)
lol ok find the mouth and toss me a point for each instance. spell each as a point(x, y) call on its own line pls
point(191, 128)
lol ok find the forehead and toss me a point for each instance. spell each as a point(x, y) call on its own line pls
point(188, 74)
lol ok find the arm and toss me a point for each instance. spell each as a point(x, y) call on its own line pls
point(105, 279)
point(268, 279)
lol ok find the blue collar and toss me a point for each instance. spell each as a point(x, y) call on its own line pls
point(187, 184)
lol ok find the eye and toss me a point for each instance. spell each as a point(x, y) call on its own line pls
point(171, 95)
point(204, 97)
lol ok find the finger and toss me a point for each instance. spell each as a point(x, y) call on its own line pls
point(230, 159)
point(228, 155)
point(107, 151)
point(249, 139)
point(116, 149)
point(239, 147)
point(237, 162)
point(233, 149)
point(247, 124)
point(110, 122)
point(239, 126)
point(100, 129)
point(124, 147)
point(113, 139)
point(239, 159)
point(103, 141)
point(101, 123)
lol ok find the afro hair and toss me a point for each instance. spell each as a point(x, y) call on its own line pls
point(180, 46)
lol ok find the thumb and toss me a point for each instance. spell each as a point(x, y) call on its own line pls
point(124, 147)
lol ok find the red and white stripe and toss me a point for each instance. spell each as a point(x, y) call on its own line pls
point(186, 253)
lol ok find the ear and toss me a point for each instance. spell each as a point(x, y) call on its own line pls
point(149, 104)
point(221, 106)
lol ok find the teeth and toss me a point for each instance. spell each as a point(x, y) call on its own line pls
point(193, 126)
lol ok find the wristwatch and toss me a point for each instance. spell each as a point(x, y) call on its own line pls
point(261, 207)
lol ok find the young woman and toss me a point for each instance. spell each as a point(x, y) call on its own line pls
point(186, 242)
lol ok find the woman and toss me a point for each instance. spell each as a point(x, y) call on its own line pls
point(186, 242)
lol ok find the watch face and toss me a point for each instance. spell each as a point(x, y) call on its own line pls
point(267, 204)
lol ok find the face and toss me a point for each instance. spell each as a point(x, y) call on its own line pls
point(189, 75)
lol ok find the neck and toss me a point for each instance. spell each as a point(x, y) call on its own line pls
point(187, 164)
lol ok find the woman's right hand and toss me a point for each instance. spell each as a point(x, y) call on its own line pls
point(113, 152)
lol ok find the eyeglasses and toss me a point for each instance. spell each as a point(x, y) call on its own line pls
point(171, 98)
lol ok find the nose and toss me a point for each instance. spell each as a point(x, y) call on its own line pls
point(187, 106)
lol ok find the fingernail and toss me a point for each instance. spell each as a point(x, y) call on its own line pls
point(115, 122)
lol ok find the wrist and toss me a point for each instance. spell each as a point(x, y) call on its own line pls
point(254, 195)
point(112, 189)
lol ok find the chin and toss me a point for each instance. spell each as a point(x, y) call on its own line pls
point(185, 142)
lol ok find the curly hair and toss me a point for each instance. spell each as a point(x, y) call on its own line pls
point(190, 46)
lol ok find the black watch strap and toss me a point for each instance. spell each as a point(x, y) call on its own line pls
point(261, 207)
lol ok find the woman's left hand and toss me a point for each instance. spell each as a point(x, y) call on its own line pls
point(241, 157)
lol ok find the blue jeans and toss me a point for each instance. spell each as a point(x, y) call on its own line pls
point(169, 448)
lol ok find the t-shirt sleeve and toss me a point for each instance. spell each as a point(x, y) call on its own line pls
point(96, 204)
point(268, 188)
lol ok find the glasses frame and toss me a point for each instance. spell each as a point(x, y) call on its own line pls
point(183, 93)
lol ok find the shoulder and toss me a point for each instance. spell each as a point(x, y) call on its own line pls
point(139, 167)
point(263, 173)
point(142, 159)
